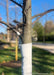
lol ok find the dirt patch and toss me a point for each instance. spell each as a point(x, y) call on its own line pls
point(12, 64)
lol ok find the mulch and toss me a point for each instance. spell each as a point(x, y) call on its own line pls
point(12, 64)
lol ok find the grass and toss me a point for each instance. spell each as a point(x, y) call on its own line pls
point(10, 71)
point(7, 54)
point(43, 61)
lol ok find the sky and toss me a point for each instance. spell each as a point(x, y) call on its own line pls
point(38, 6)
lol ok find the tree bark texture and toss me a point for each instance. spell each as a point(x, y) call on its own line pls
point(26, 48)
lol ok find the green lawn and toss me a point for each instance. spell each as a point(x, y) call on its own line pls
point(43, 62)
point(6, 55)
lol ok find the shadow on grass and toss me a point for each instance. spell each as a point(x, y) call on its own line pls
point(43, 61)
point(4, 53)
point(3, 57)
point(8, 54)
point(10, 71)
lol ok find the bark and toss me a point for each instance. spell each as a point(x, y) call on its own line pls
point(27, 21)
point(26, 48)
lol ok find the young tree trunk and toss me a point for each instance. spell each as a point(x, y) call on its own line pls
point(27, 41)
point(7, 12)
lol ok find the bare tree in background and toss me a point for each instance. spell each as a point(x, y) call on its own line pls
point(8, 32)
point(49, 27)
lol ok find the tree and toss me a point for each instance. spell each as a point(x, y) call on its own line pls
point(27, 40)
point(26, 48)
point(38, 28)
point(49, 27)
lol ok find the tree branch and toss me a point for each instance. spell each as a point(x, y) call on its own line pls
point(7, 25)
point(17, 3)
point(11, 28)
point(19, 23)
point(36, 20)
point(42, 14)
point(15, 21)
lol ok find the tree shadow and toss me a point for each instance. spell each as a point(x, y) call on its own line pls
point(43, 61)
point(5, 69)
point(8, 54)
point(10, 71)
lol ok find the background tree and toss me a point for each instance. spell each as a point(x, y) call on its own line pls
point(49, 27)
point(27, 41)
point(38, 28)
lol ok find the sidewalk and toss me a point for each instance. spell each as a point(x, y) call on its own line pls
point(45, 46)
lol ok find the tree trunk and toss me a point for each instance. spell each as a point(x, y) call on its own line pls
point(27, 41)
point(8, 34)
point(7, 13)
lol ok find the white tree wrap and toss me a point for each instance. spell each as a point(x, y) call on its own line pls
point(18, 33)
point(26, 51)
